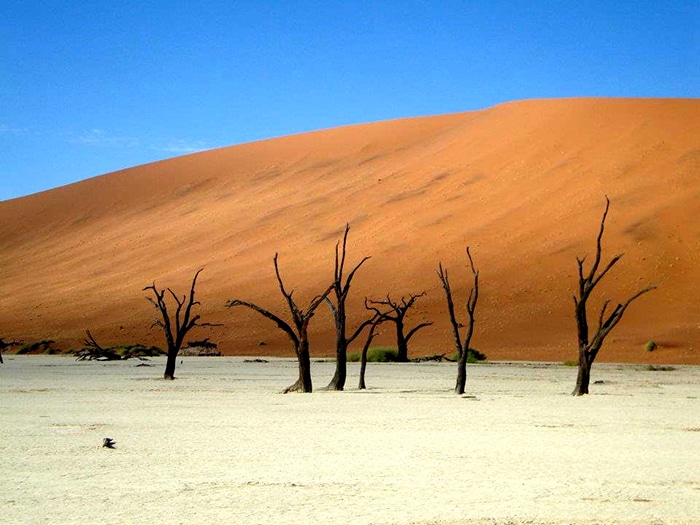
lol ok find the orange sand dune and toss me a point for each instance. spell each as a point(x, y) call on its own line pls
point(522, 183)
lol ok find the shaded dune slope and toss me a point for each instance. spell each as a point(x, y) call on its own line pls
point(522, 183)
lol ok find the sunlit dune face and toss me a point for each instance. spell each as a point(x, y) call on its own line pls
point(523, 184)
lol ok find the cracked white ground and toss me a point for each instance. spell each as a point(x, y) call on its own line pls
point(221, 445)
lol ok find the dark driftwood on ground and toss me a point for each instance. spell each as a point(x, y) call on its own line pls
point(437, 358)
point(92, 351)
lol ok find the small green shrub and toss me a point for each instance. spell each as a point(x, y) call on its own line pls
point(650, 346)
point(376, 354)
point(473, 356)
point(382, 354)
point(570, 362)
point(37, 347)
point(137, 350)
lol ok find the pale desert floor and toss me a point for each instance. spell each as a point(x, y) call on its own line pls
point(220, 445)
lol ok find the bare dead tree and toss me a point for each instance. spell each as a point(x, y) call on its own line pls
point(588, 347)
point(395, 312)
point(176, 328)
point(341, 289)
point(4, 345)
point(461, 345)
point(297, 335)
point(92, 351)
point(375, 321)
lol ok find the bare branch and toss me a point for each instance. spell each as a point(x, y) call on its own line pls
point(592, 283)
point(287, 296)
point(316, 301)
point(374, 320)
point(444, 279)
point(602, 314)
point(416, 328)
point(598, 251)
point(265, 313)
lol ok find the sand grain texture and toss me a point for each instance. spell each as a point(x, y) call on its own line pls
point(522, 183)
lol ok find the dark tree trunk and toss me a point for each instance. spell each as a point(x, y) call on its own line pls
point(583, 378)
point(305, 367)
point(341, 367)
point(170, 364)
point(363, 366)
point(401, 344)
point(341, 348)
point(461, 373)
point(363, 369)
point(303, 384)
point(464, 354)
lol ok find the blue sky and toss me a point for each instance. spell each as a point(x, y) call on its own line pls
point(90, 87)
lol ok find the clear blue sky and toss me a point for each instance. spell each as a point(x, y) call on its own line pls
point(89, 87)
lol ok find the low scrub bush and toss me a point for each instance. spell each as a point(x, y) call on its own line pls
point(650, 346)
point(39, 347)
point(653, 368)
point(376, 354)
point(137, 350)
point(473, 356)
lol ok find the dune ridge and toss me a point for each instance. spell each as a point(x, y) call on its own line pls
point(522, 183)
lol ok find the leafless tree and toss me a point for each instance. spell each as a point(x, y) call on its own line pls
point(7, 344)
point(93, 351)
point(461, 345)
point(588, 347)
point(395, 312)
point(341, 289)
point(298, 335)
point(176, 328)
point(375, 321)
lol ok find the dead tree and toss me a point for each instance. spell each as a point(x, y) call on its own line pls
point(92, 351)
point(7, 344)
point(461, 345)
point(588, 347)
point(182, 321)
point(374, 322)
point(395, 312)
point(341, 288)
point(298, 335)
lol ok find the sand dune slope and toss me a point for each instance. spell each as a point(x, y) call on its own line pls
point(522, 183)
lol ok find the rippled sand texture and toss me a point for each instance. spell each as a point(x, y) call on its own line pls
point(219, 445)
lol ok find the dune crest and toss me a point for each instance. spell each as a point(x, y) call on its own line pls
point(522, 183)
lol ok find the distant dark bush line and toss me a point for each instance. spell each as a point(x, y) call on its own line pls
point(44, 346)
